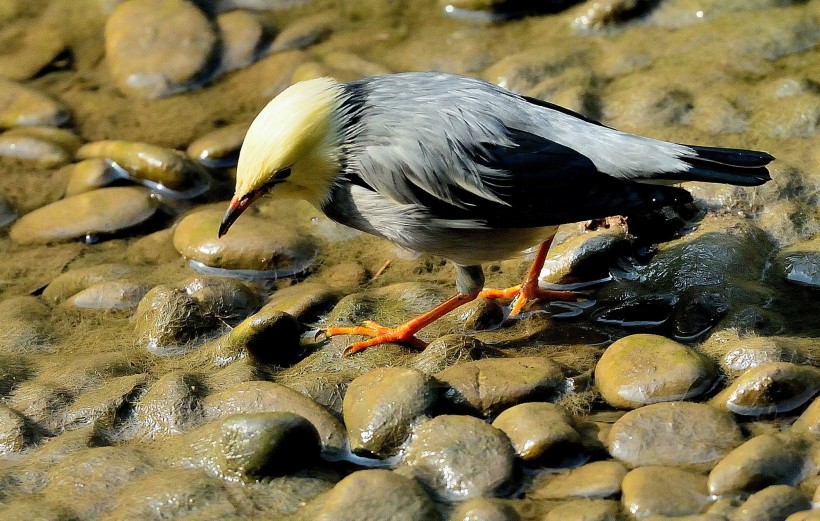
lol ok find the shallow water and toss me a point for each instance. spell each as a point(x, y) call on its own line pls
point(738, 270)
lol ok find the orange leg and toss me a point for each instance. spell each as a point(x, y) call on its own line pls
point(522, 294)
point(404, 333)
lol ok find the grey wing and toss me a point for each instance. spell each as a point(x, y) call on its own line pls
point(466, 149)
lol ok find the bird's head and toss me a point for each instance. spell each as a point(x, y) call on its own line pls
point(293, 145)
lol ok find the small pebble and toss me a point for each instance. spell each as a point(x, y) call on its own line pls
point(219, 148)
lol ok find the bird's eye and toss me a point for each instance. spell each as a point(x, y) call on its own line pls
point(282, 174)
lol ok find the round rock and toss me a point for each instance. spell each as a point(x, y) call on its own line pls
point(157, 47)
point(381, 406)
point(763, 460)
point(809, 421)
point(800, 263)
point(586, 510)
point(666, 491)
point(539, 431)
point(775, 502)
point(267, 396)
point(24, 106)
point(111, 295)
point(775, 387)
point(643, 369)
point(491, 385)
point(265, 444)
point(252, 243)
point(377, 494)
point(103, 211)
point(460, 457)
point(219, 148)
point(485, 509)
point(599, 479)
point(673, 433)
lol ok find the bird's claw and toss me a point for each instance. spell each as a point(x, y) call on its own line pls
point(378, 335)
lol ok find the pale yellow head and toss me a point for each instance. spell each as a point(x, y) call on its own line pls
point(293, 144)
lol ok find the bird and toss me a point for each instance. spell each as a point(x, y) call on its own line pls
point(463, 169)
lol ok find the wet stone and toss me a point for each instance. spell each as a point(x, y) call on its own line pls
point(763, 460)
point(170, 405)
point(326, 388)
point(809, 421)
point(485, 509)
point(250, 446)
point(447, 351)
point(377, 494)
point(88, 175)
point(103, 211)
point(303, 33)
point(491, 385)
point(241, 37)
point(28, 49)
point(76, 280)
point(169, 319)
point(165, 171)
point(775, 502)
point(774, 387)
point(599, 479)
point(46, 147)
point(584, 257)
point(154, 248)
point(26, 328)
point(173, 493)
point(643, 369)
point(88, 479)
point(540, 432)
point(268, 337)
point(586, 510)
point(253, 244)
point(800, 263)
point(14, 433)
point(219, 148)
point(109, 296)
point(459, 457)
point(262, 396)
point(737, 354)
point(7, 212)
point(24, 106)
point(668, 491)
point(102, 405)
point(303, 301)
point(143, 51)
point(673, 433)
point(382, 406)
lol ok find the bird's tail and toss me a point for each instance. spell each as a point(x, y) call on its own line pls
point(725, 165)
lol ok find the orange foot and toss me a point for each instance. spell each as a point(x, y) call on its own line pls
point(378, 335)
point(522, 295)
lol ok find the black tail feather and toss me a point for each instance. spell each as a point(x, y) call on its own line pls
point(726, 165)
